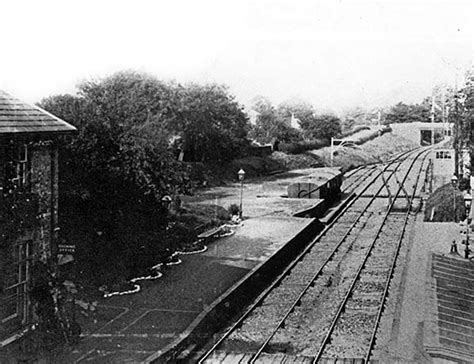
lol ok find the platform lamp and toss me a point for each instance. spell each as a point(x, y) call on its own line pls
point(241, 175)
point(467, 204)
point(166, 202)
point(454, 183)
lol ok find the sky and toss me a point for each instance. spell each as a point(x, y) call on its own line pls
point(335, 54)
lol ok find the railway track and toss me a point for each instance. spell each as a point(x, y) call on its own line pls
point(342, 277)
point(355, 180)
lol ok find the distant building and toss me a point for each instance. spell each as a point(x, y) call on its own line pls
point(420, 132)
point(444, 165)
point(295, 122)
point(28, 204)
point(253, 116)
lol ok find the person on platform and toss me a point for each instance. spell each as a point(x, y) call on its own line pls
point(454, 248)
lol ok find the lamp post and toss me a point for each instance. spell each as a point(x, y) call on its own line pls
point(166, 202)
point(241, 175)
point(454, 183)
point(467, 204)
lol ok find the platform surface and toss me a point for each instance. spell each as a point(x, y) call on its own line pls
point(131, 328)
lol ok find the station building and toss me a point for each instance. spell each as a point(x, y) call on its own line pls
point(28, 205)
point(443, 166)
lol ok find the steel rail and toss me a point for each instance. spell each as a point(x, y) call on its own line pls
point(360, 178)
point(260, 299)
point(370, 168)
point(351, 172)
point(361, 267)
point(285, 273)
point(392, 270)
point(315, 276)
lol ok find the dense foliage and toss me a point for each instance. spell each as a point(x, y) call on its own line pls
point(275, 123)
point(325, 126)
point(445, 204)
point(17, 213)
point(211, 124)
point(123, 160)
point(271, 124)
point(408, 113)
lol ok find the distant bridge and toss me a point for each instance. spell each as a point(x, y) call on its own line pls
point(421, 132)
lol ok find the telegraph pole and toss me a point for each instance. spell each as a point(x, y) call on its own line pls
point(432, 118)
point(379, 119)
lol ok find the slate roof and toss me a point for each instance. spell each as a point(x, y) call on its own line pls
point(17, 117)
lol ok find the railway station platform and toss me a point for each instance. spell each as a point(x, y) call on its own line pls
point(433, 318)
point(132, 328)
point(137, 327)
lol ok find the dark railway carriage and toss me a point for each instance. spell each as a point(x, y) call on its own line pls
point(324, 184)
point(331, 190)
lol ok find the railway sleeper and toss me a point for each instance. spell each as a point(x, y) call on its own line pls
point(342, 360)
point(371, 275)
point(371, 286)
point(358, 308)
point(377, 268)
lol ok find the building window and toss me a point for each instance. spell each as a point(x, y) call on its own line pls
point(21, 166)
point(15, 296)
point(443, 154)
point(17, 168)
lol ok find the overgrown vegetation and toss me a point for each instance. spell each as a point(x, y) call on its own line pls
point(276, 123)
point(140, 139)
point(408, 113)
point(17, 213)
point(376, 150)
point(446, 204)
point(302, 146)
point(49, 296)
point(124, 160)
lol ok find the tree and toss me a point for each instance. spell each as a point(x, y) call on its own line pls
point(266, 116)
point(300, 109)
point(211, 124)
point(324, 126)
point(267, 124)
point(404, 113)
point(115, 170)
point(121, 162)
point(355, 116)
point(122, 139)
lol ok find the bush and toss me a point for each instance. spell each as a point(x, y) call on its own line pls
point(440, 205)
point(254, 167)
point(302, 146)
point(464, 184)
point(297, 161)
point(233, 209)
point(354, 130)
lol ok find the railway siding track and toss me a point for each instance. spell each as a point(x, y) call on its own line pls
point(359, 320)
point(303, 302)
